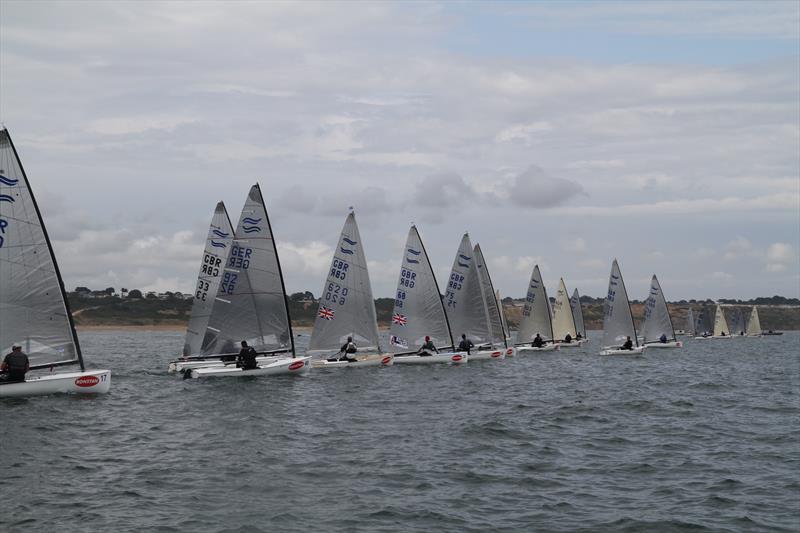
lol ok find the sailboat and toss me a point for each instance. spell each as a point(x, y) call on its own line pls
point(34, 311)
point(251, 302)
point(703, 327)
point(419, 310)
point(754, 324)
point(346, 308)
point(564, 320)
point(577, 315)
point(657, 321)
point(496, 346)
point(503, 319)
point(618, 323)
point(536, 317)
point(212, 266)
point(721, 329)
point(689, 328)
point(737, 324)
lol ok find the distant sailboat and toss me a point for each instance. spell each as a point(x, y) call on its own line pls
point(536, 318)
point(503, 319)
point(690, 324)
point(564, 319)
point(34, 311)
point(721, 329)
point(498, 341)
point(703, 325)
point(577, 314)
point(251, 303)
point(346, 307)
point(657, 321)
point(419, 310)
point(737, 324)
point(754, 324)
point(618, 323)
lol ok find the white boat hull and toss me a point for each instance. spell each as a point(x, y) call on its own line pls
point(488, 355)
point(180, 366)
point(385, 359)
point(454, 358)
point(616, 351)
point(545, 348)
point(573, 344)
point(284, 365)
point(88, 382)
point(671, 344)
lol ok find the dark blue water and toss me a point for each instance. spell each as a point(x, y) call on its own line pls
point(700, 439)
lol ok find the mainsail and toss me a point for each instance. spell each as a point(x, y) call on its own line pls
point(720, 323)
point(563, 321)
point(490, 304)
point(464, 297)
point(251, 303)
point(657, 321)
point(503, 320)
point(418, 307)
point(754, 324)
point(34, 311)
point(218, 240)
point(577, 313)
point(690, 323)
point(346, 307)
point(703, 322)
point(617, 316)
point(737, 322)
point(536, 312)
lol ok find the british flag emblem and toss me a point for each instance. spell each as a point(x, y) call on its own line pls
point(326, 313)
point(399, 319)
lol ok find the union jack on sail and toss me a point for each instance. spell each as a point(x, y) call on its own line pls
point(399, 319)
point(326, 313)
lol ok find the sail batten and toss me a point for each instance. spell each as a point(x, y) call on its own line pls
point(617, 317)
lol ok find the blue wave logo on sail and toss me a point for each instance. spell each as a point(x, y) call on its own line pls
point(413, 251)
point(412, 261)
point(249, 225)
point(464, 257)
point(463, 265)
point(248, 220)
point(348, 241)
point(8, 181)
point(220, 234)
point(6, 198)
point(251, 229)
point(345, 250)
point(218, 244)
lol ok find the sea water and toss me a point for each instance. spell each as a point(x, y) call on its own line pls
point(703, 438)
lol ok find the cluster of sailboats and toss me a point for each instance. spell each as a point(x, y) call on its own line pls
point(715, 325)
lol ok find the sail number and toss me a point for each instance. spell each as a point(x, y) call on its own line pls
point(339, 269)
point(336, 293)
point(407, 278)
point(202, 290)
point(240, 257)
point(211, 264)
point(228, 284)
point(401, 296)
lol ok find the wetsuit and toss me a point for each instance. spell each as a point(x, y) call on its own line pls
point(628, 345)
point(427, 348)
point(537, 342)
point(348, 348)
point(247, 359)
point(568, 338)
point(16, 364)
point(465, 345)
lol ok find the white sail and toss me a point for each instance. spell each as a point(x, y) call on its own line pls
point(577, 313)
point(536, 312)
point(418, 306)
point(490, 304)
point(464, 297)
point(617, 317)
point(754, 324)
point(251, 303)
point(34, 311)
point(690, 323)
point(218, 241)
point(563, 321)
point(346, 307)
point(657, 321)
point(720, 323)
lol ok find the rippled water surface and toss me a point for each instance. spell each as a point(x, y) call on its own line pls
point(704, 438)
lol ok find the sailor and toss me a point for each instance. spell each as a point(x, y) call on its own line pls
point(15, 364)
point(247, 357)
point(465, 345)
point(628, 344)
point(722, 334)
point(428, 347)
point(578, 336)
point(348, 348)
point(568, 338)
point(537, 341)
point(663, 338)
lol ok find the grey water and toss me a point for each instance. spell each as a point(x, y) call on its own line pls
point(699, 439)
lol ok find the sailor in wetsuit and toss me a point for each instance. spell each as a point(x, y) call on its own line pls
point(465, 345)
point(663, 338)
point(628, 344)
point(15, 365)
point(348, 348)
point(428, 347)
point(568, 338)
point(247, 357)
point(538, 342)
point(578, 336)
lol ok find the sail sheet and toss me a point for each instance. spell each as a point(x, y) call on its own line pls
point(577, 313)
point(251, 303)
point(617, 316)
point(754, 324)
point(34, 311)
point(464, 297)
point(346, 307)
point(490, 303)
point(418, 307)
point(563, 321)
point(536, 311)
point(215, 254)
point(720, 323)
point(657, 321)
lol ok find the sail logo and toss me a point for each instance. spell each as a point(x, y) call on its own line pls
point(399, 319)
point(351, 243)
point(413, 252)
point(8, 181)
point(221, 234)
point(345, 250)
point(250, 225)
point(216, 244)
point(326, 313)
point(465, 258)
point(6, 198)
point(87, 381)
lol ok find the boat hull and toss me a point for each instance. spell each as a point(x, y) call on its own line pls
point(672, 344)
point(616, 351)
point(285, 366)
point(454, 358)
point(488, 355)
point(363, 361)
point(88, 382)
point(545, 348)
point(573, 344)
point(180, 366)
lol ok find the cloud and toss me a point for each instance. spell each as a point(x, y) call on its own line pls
point(534, 188)
point(780, 252)
point(737, 248)
point(575, 245)
point(442, 190)
point(523, 132)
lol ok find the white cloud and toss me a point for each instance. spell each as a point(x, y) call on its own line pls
point(780, 252)
point(523, 132)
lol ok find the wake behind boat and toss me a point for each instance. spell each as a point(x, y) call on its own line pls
point(34, 311)
point(619, 331)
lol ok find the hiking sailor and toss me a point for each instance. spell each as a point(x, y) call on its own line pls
point(428, 348)
point(15, 364)
point(537, 341)
point(465, 345)
point(628, 344)
point(348, 348)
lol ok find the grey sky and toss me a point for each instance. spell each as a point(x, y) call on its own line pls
point(664, 134)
